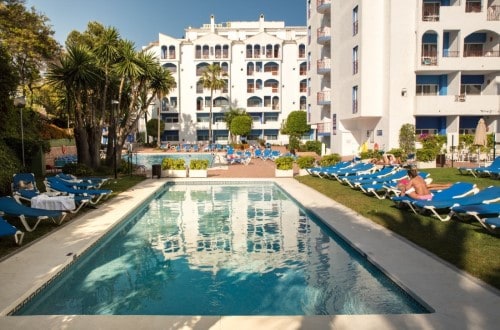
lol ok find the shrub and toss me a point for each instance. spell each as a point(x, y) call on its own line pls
point(173, 164)
point(198, 164)
point(313, 146)
point(284, 163)
point(77, 169)
point(426, 155)
point(305, 161)
point(328, 160)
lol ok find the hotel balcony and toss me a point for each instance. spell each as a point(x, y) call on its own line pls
point(434, 12)
point(323, 98)
point(457, 105)
point(323, 6)
point(324, 35)
point(324, 129)
point(324, 66)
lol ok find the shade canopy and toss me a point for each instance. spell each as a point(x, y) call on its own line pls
point(480, 138)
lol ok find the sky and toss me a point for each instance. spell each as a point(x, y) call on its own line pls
point(142, 21)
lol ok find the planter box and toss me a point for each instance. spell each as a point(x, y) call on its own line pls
point(283, 173)
point(198, 173)
point(174, 173)
point(421, 165)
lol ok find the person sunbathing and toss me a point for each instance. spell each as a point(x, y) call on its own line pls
point(416, 187)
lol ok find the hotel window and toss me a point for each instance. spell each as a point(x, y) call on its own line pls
point(163, 52)
point(470, 89)
point(303, 69)
point(205, 51)
point(472, 6)
point(170, 117)
point(225, 51)
point(355, 99)
point(256, 51)
point(249, 51)
point(427, 89)
point(171, 52)
point(303, 86)
point(302, 51)
point(250, 86)
point(355, 21)
point(197, 53)
point(218, 51)
point(355, 60)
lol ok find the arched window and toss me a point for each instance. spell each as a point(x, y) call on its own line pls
point(303, 69)
point(276, 51)
point(276, 103)
point(225, 67)
point(269, 51)
point(271, 67)
point(254, 102)
point(225, 51)
point(250, 69)
point(250, 86)
point(199, 103)
point(205, 53)
point(302, 51)
point(303, 86)
point(218, 51)
point(163, 52)
point(249, 51)
point(258, 84)
point(200, 68)
point(197, 53)
point(273, 84)
point(171, 52)
point(303, 103)
point(256, 51)
point(170, 67)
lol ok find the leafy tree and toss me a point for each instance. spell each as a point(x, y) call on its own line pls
point(228, 118)
point(152, 126)
point(296, 126)
point(407, 138)
point(241, 125)
point(212, 78)
point(29, 40)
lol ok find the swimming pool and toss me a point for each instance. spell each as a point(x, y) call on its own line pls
point(222, 249)
point(148, 159)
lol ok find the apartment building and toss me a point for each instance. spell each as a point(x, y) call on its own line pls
point(374, 65)
point(265, 63)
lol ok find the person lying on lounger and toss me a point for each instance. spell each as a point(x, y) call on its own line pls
point(416, 187)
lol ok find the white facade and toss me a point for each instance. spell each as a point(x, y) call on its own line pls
point(266, 76)
point(378, 64)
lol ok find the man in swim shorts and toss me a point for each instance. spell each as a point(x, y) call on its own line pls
point(416, 188)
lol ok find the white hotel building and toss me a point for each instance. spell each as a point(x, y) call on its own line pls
point(266, 71)
point(374, 65)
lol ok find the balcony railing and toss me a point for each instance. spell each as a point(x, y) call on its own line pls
point(323, 128)
point(323, 5)
point(323, 66)
point(451, 53)
point(429, 60)
point(323, 98)
point(323, 34)
point(481, 53)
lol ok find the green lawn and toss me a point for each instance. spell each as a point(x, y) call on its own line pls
point(467, 245)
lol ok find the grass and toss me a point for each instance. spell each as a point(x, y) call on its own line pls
point(467, 245)
point(7, 245)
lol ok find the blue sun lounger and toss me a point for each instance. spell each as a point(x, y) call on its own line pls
point(95, 195)
point(456, 190)
point(6, 229)
point(491, 224)
point(24, 186)
point(491, 170)
point(476, 211)
point(10, 206)
point(487, 195)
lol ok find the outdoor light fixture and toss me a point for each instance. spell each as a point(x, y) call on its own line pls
point(403, 92)
point(20, 102)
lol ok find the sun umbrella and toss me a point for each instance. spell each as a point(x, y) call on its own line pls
point(480, 138)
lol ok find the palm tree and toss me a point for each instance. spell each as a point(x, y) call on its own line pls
point(161, 84)
point(77, 74)
point(212, 78)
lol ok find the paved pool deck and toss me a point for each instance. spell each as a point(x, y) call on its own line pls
point(457, 300)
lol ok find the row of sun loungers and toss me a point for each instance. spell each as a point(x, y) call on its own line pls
point(493, 170)
point(65, 193)
point(461, 199)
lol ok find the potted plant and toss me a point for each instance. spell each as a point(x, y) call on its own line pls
point(305, 162)
point(198, 168)
point(174, 168)
point(284, 166)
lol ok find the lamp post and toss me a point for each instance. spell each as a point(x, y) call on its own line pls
point(20, 102)
point(113, 124)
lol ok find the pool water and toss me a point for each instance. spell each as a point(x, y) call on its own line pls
point(156, 158)
point(221, 249)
